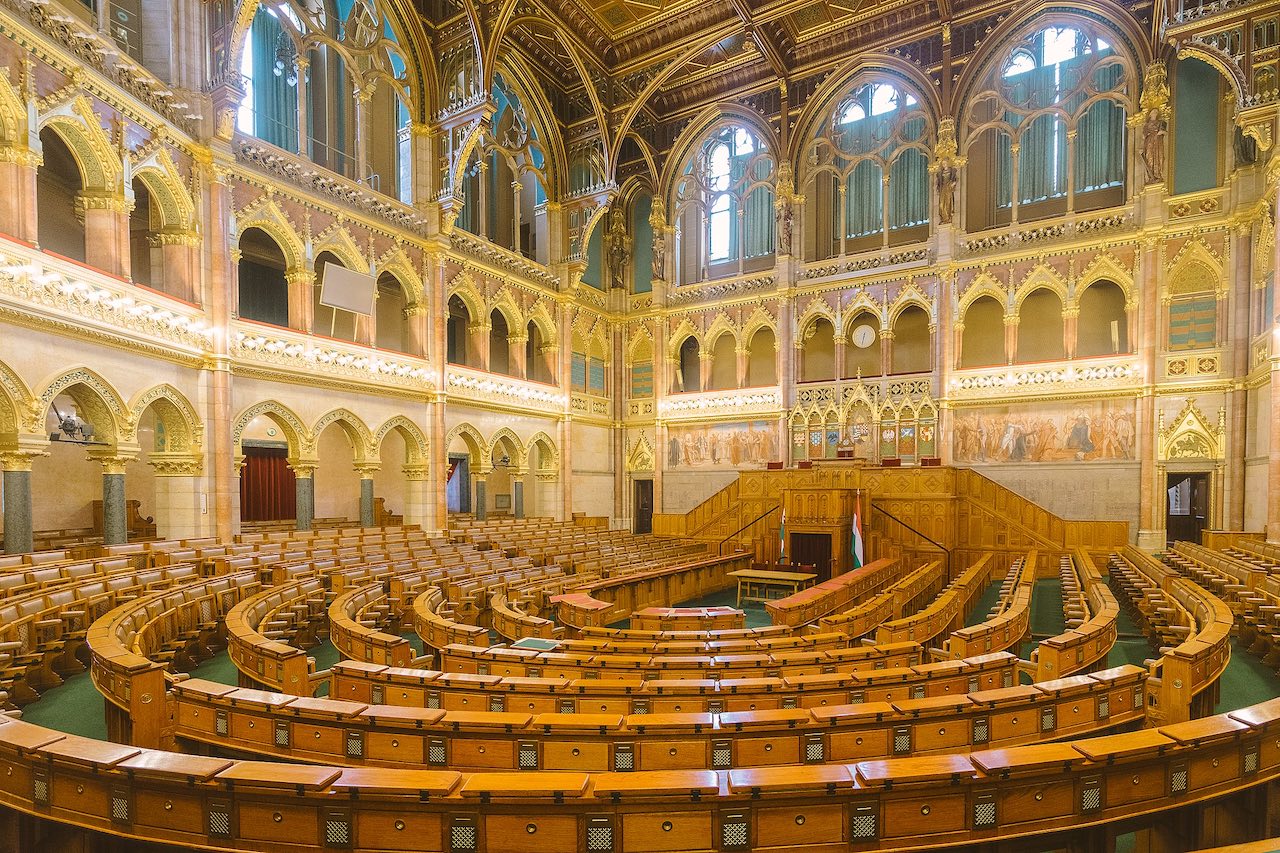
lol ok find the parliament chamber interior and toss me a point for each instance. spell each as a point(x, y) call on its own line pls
point(639, 426)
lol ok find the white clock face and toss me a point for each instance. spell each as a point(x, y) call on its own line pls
point(864, 336)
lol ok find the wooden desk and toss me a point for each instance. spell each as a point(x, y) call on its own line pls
point(757, 584)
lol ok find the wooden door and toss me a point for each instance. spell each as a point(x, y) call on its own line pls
point(644, 506)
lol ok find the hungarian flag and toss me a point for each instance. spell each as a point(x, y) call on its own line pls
point(855, 541)
point(782, 538)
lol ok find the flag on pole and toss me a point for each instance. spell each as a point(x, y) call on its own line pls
point(855, 543)
point(782, 538)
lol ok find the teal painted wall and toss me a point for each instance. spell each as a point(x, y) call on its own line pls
point(641, 245)
point(1196, 131)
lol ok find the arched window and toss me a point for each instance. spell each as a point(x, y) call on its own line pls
point(983, 341)
point(505, 182)
point(537, 365)
point(58, 184)
point(724, 364)
point(457, 330)
point(1102, 327)
point(301, 68)
point(1040, 327)
point(392, 322)
point(724, 206)
point(868, 179)
point(499, 343)
point(1046, 134)
point(862, 349)
point(912, 344)
point(819, 351)
point(762, 364)
point(689, 369)
point(145, 260)
point(263, 288)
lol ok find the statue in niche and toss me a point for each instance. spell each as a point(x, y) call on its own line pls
point(1154, 130)
point(946, 181)
point(786, 225)
point(659, 255)
point(617, 251)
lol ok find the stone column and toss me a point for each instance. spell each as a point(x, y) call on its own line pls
point(480, 344)
point(743, 355)
point(1237, 356)
point(180, 252)
point(305, 491)
point(704, 370)
point(1070, 330)
point(301, 310)
point(1273, 454)
point(366, 473)
point(1151, 498)
point(178, 510)
point(840, 343)
point(106, 231)
point(517, 492)
point(478, 508)
point(417, 501)
point(18, 532)
point(1010, 338)
point(219, 299)
point(516, 354)
point(18, 205)
point(114, 523)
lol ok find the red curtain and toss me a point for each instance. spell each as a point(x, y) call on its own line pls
point(266, 485)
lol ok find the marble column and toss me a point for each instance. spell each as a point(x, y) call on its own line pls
point(106, 231)
point(305, 492)
point(366, 495)
point(18, 536)
point(1152, 502)
point(18, 206)
point(478, 506)
point(517, 493)
point(114, 524)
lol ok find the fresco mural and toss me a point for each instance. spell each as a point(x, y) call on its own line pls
point(722, 444)
point(1069, 432)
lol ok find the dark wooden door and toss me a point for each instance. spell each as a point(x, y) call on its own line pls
point(1187, 503)
point(812, 549)
point(644, 506)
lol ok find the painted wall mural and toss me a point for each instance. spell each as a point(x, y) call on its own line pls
point(722, 444)
point(1067, 432)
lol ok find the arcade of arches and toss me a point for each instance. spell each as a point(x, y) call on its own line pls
point(616, 254)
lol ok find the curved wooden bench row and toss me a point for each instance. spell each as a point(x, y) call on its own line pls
point(944, 614)
point(126, 641)
point(1086, 644)
point(500, 737)
point(41, 632)
point(376, 684)
point(1011, 621)
point(1184, 680)
point(839, 593)
point(882, 607)
point(741, 642)
point(272, 661)
point(434, 622)
point(512, 623)
point(957, 801)
point(629, 634)
point(688, 619)
point(606, 601)
point(25, 580)
point(863, 674)
point(357, 618)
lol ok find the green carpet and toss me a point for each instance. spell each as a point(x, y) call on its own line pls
point(986, 601)
point(75, 708)
point(1046, 608)
point(1130, 647)
point(1245, 681)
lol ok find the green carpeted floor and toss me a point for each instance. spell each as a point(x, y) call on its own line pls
point(986, 601)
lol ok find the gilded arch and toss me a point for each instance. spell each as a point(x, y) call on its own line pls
point(337, 241)
point(415, 441)
point(362, 444)
point(474, 441)
point(506, 436)
point(163, 180)
point(266, 215)
point(295, 432)
point(96, 398)
point(78, 125)
point(183, 431)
